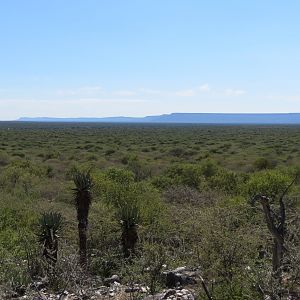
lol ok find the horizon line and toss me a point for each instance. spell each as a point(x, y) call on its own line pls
point(156, 115)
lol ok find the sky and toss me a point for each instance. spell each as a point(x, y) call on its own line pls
point(99, 58)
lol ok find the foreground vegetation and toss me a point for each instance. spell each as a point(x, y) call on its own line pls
point(81, 202)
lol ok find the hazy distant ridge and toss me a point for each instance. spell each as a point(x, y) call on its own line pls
point(200, 118)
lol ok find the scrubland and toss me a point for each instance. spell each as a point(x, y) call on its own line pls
point(221, 200)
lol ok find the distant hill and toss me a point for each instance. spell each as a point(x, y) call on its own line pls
point(195, 118)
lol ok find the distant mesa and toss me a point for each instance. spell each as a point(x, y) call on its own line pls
point(192, 118)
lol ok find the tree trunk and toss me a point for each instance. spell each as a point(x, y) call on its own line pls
point(82, 231)
point(278, 251)
point(278, 232)
point(50, 252)
point(129, 240)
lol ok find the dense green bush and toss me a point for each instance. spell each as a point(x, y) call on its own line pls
point(264, 163)
point(181, 174)
point(226, 181)
point(268, 183)
point(134, 203)
point(140, 169)
point(23, 174)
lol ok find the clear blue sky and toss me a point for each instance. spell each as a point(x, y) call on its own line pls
point(95, 58)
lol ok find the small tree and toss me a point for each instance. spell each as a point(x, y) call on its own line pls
point(128, 213)
point(82, 199)
point(49, 226)
point(270, 189)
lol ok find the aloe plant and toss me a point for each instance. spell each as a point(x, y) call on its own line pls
point(50, 224)
point(82, 200)
point(129, 215)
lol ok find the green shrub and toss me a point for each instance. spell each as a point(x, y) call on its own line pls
point(177, 152)
point(227, 248)
point(185, 174)
point(226, 181)
point(263, 163)
point(140, 169)
point(22, 173)
point(153, 261)
point(133, 203)
point(209, 168)
point(4, 159)
point(270, 183)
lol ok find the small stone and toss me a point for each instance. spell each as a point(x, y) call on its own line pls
point(111, 280)
point(132, 290)
point(179, 270)
point(115, 278)
point(169, 293)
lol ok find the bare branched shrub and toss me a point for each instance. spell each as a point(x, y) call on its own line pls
point(187, 195)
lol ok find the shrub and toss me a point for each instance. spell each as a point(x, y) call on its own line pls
point(49, 226)
point(263, 163)
point(185, 174)
point(153, 261)
point(22, 173)
point(270, 183)
point(133, 203)
point(226, 181)
point(140, 169)
point(177, 152)
point(226, 249)
point(181, 195)
point(209, 168)
point(4, 159)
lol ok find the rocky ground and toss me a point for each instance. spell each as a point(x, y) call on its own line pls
point(180, 284)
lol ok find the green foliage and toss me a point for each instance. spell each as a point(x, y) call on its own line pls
point(226, 181)
point(227, 249)
point(82, 194)
point(82, 181)
point(51, 154)
point(162, 182)
point(209, 168)
point(148, 265)
point(201, 177)
point(50, 223)
point(154, 261)
point(16, 216)
point(181, 174)
point(263, 163)
point(128, 209)
point(13, 274)
point(139, 168)
point(132, 201)
point(24, 174)
point(204, 173)
point(271, 183)
point(4, 159)
point(177, 152)
point(120, 176)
